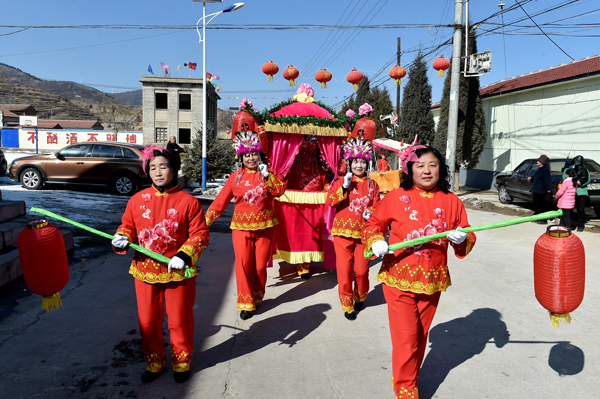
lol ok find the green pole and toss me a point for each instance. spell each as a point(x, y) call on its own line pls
point(423, 240)
point(145, 251)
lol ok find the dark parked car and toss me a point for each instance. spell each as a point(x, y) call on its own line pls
point(118, 165)
point(514, 184)
point(2, 164)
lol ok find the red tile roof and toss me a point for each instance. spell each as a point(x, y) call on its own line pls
point(575, 69)
point(15, 107)
point(71, 124)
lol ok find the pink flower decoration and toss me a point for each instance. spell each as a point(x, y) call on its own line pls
point(413, 215)
point(171, 213)
point(438, 212)
point(146, 215)
point(243, 103)
point(306, 88)
point(146, 197)
point(350, 114)
point(365, 109)
point(405, 199)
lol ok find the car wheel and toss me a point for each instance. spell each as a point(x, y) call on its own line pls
point(597, 211)
point(504, 196)
point(31, 179)
point(124, 185)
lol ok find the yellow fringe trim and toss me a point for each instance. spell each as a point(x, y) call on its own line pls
point(51, 302)
point(300, 257)
point(555, 318)
point(303, 197)
point(308, 129)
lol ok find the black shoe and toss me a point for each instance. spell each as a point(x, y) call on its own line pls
point(181, 376)
point(358, 306)
point(350, 316)
point(245, 314)
point(541, 221)
point(305, 276)
point(580, 228)
point(148, 376)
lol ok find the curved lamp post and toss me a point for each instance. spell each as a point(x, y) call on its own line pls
point(234, 7)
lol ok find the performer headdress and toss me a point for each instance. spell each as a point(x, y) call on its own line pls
point(308, 145)
point(245, 142)
point(357, 148)
point(149, 153)
point(408, 155)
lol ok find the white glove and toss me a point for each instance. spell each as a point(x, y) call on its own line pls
point(263, 170)
point(457, 237)
point(176, 263)
point(120, 241)
point(366, 214)
point(347, 180)
point(381, 248)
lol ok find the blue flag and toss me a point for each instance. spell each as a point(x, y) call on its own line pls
point(150, 69)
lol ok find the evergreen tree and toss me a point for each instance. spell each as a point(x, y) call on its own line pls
point(378, 98)
point(220, 158)
point(416, 117)
point(471, 132)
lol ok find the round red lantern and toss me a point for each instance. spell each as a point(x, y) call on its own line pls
point(397, 73)
point(365, 127)
point(263, 138)
point(291, 73)
point(440, 65)
point(270, 68)
point(559, 272)
point(323, 76)
point(44, 261)
point(354, 77)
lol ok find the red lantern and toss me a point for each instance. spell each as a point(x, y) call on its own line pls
point(397, 73)
point(354, 77)
point(440, 65)
point(263, 138)
point(270, 68)
point(241, 118)
point(291, 73)
point(559, 272)
point(323, 76)
point(44, 261)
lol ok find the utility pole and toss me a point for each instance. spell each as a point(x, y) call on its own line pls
point(398, 88)
point(454, 86)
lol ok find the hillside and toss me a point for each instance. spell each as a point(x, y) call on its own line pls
point(133, 97)
point(68, 90)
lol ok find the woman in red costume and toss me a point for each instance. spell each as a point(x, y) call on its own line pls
point(253, 187)
point(169, 221)
point(383, 165)
point(307, 175)
point(414, 277)
point(354, 197)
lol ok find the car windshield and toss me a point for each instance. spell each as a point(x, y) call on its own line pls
point(75, 151)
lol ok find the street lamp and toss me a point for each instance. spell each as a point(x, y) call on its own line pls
point(234, 7)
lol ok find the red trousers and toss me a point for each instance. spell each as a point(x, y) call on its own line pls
point(410, 317)
point(179, 297)
point(351, 265)
point(252, 251)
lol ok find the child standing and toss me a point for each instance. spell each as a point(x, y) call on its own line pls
point(566, 197)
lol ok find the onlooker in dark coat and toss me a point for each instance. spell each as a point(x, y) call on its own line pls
point(542, 186)
point(582, 177)
point(175, 149)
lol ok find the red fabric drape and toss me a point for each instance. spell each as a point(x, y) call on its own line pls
point(284, 148)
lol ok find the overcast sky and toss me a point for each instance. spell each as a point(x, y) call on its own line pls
point(116, 59)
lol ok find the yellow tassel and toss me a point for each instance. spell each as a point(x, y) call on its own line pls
point(269, 78)
point(398, 81)
point(323, 85)
point(555, 318)
point(51, 302)
point(292, 82)
point(441, 72)
point(354, 86)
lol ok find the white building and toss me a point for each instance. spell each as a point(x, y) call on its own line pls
point(555, 112)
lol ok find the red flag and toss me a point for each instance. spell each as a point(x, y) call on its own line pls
point(208, 76)
point(192, 65)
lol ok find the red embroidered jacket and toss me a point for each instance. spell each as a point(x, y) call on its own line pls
point(350, 204)
point(253, 200)
point(383, 165)
point(307, 178)
point(411, 214)
point(168, 223)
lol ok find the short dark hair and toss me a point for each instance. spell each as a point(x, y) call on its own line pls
point(174, 162)
point(444, 182)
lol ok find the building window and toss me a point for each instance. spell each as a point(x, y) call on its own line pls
point(161, 100)
point(161, 135)
point(185, 101)
point(185, 136)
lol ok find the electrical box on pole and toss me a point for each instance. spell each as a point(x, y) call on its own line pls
point(479, 64)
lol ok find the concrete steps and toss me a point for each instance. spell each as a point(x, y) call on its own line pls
point(13, 219)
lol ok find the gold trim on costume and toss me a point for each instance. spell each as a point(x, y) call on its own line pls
point(303, 197)
point(153, 278)
point(411, 279)
point(295, 258)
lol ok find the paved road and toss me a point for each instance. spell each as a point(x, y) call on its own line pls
point(490, 337)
